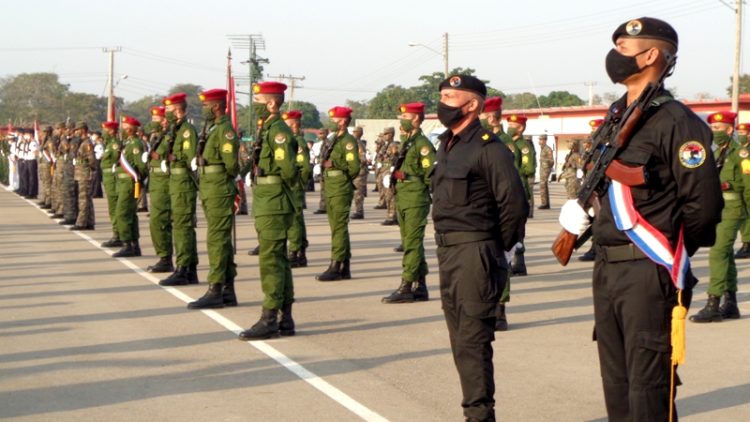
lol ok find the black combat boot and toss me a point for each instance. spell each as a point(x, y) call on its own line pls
point(744, 251)
point(589, 256)
point(518, 263)
point(266, 327)
point(729, 309)
point(67, 222)
point(192, 274)
point(56, 216)
point(399, 248)
point(501, 321)
point(177, 278)
point(710, 313)
point(212, 299)
point(389, 222)
point(136, 248)
point(420, 290)
point(286, 324)
point(114, 242)
point(319, 211)
point(228, 295)
point(293, 259)
point(127, 250)
point(81, 228)
point(403, 294)
point(357, 216)
point(346, 270)
point(164, 265)
point(254, 252)
point(333, 272)
point(380, 207)
point(543, 207)
point(301, 258)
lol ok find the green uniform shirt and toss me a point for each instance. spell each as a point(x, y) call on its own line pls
point(414, 190)
point(508, 141)
point(111, 151)
point(185, 145)
point(345, 159)
point(132, 151)
point(221, 149)
point(528, 157)
point(735, 172)
point(277, 158)
point(302, 161)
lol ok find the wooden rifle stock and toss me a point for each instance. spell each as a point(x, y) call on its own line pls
point(563, 246)
point(628, 176)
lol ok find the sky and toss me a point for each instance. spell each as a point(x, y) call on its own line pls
point(351, 50)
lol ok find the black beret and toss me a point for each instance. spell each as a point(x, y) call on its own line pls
point(465, 83)
point(646, 28)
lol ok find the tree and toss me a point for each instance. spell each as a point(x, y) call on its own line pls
point(386, 102)
point(88, 108)
point(560, 99)
point(359, 109)
point(193, 103)
point(33, 96)
point(744, 84)
point(310, 114)
point(520, 101)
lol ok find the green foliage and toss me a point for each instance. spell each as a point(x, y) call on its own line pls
point(560, 99)
point(520, 101)
point(141, 108)
point(386, 102)
point(359, 109)
point(744, 84)
point(310, 114)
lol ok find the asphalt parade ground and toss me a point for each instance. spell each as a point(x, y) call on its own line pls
point(87, 337)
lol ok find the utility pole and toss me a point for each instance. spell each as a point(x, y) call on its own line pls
point(110, 81)
point(737, 57)
point(590, 84)
point(292, 85)
point(253, 43)
point(445, 53)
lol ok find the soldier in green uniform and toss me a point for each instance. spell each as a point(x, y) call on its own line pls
point(546, 167)
point(297, 232)
point(130, 169)
point(181, 151)
point(324, 142)
point(527, 170)
point(340, 164)
point(389, 194)
point(411, 175)
point(275, 173)
point(571, 170)
point(160, 217)
point(733, 160)
point(70, 197)
point(218, 166)
point(742, 140)
point(58, 211)
point(110, 157)
point(491, 119)
point(85, 163)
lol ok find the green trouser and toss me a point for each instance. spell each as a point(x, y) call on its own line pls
point(297, 232)
point(109, 180)
point(413, 221)
point(160, 218)
point(745, 231)
point(183, 199)
point(219, 216)
point(505, 297)
point(275, 271)
point(4, 170)
point(337, 209)
point(127, 219)
point(721, 264)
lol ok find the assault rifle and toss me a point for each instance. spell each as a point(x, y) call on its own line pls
point(609, 139)
point(400, 158)
point(202, 138)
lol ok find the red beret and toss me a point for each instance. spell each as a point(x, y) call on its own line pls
point(743, 126)
point(722, 117)
point(110, 125)
point(514, 118)
point(595, 123)
point(130, 120)
point(340, 112)
point(416, 108)
point(270, 87)
point(177, 98)
point(158, 111)
point(493, 104)
point(217, 94)
point(292, 114)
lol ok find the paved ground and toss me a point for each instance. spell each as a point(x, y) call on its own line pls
point(87, 337)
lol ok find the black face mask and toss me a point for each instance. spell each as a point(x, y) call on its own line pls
point(620, 67)
point(449, 115)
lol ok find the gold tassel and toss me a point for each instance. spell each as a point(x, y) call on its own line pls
point(679, 313)
point(137, 193)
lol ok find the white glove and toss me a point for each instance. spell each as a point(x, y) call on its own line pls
point(573, 218)
point(144, 157)
point(194, 164)
point(387, 181)
point(163, 166)
point(579, 174)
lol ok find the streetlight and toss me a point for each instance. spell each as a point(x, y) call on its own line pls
point(444, 53)
point(120, 79)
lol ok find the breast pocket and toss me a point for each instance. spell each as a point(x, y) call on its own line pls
point(457, 185)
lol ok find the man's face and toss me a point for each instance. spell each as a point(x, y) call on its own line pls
point(357, 134)
point(518, 126)
point(339, 121)
point(491, 117)
point(542, 141)
point(455, 97)
point(742, 132)
point(631, 47)
point(293, 125)
point(722, 127)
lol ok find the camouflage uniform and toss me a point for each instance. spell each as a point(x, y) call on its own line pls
point(384, 161)
point(70, 195)
point(547, 164)
point(58, 177)
point(360, 182)
point(84, 165)
point(45, 172)
point(389, 194)
point(570, 168)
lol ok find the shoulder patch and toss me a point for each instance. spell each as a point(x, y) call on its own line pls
point(743, 153)
point(136, 150)
point(426, 163)
point(424, 151)
point(349, 146)
point(486, 137)
point(227, 148)
point(280, 138)
point(229, 134)
point(278, 153)
point(186, 134)
point(692, 154)
point(525, 150)
point(349, 156)
point(186, 144)
point(115, 146)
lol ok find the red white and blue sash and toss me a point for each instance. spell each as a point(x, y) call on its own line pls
point(646, 237)
point(47, 156)
point(128, 168)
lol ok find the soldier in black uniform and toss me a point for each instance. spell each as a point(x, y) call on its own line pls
point(634, 296)
point(479, 211)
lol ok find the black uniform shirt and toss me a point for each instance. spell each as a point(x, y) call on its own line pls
point(674, 145)
point(476, 186)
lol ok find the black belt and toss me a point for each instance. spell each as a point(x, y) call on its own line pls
point(456, 238)
point(623, 253)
